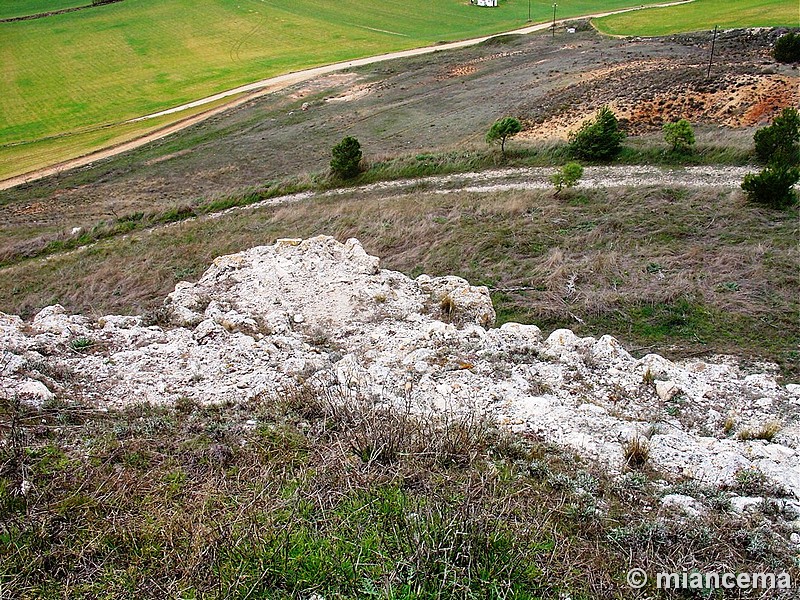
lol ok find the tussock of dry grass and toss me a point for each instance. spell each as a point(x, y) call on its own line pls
point(320, 489)
point(700, 268)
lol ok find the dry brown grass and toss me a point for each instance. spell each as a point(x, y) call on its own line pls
point(614, 259)
point(636, 452)
point(327, 492)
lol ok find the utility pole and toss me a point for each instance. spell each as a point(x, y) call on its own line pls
point(554, 20)
point(710, 58)
point(529, 11)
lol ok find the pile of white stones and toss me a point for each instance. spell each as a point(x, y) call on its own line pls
point(319, 310)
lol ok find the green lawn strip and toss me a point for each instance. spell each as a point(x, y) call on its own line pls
point(702, 15)
point(19, 158)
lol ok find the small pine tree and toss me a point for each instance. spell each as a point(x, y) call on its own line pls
point(774, 186)
point(787, 48)
point(680, 136)
point(567, 176)
point(346, 161)
point(779, 143)
point(503, 129)
point(600, 139)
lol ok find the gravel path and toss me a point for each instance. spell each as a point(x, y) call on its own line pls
point(533, 178)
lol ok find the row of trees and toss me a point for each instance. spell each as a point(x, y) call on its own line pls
point(777, 146)
point(600, 140)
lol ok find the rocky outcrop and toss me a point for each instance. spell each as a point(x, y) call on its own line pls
point(322, 311)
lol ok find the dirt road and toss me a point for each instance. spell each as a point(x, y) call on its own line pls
point(495, 180)
point(533, 178)
point(267, 86)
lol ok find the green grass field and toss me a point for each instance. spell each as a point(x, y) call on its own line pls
point(71, 80)
point(701, 15)
point(115, 62)
point(20, 8)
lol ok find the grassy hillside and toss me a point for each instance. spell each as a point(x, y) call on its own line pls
point(702, 14)
point(94, 68)
point(672, 270)
point(67, 76)
point(138, 56)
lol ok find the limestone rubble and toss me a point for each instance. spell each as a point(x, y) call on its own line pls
point(319, 310)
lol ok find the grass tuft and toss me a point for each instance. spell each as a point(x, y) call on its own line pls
point(636, 452)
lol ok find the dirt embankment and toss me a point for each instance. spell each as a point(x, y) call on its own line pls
point(745, 88)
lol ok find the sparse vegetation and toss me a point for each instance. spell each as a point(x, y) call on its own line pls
point(320, 490)
point(598, 140)
point(787, 48)
point(753, 482)
point(346, 160)
point(567, 177)
point(779, 143)
point(729, 425)
point(766, 432)
point(680, 136)
point(81, 343)
point(636, 452)
point(501, 130)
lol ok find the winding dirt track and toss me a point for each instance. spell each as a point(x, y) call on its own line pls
point(267, 86)
point(491, 181)
point(529, 178)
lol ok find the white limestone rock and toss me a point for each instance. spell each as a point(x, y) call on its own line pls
point(667, 390)
point(33, 393)
point(683, 504)
point(455, 299)
point(322, 312)
point(746, 504)
point(53, 319)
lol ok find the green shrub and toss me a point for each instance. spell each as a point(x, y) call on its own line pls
point(680, 136)
point(503, 129)
point(567, 177)
point(779, 143)
point(600, 139)
point(346, 161)
point(773, 186)
point(787, 48)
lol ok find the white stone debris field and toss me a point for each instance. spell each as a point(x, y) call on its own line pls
point(322, 312)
